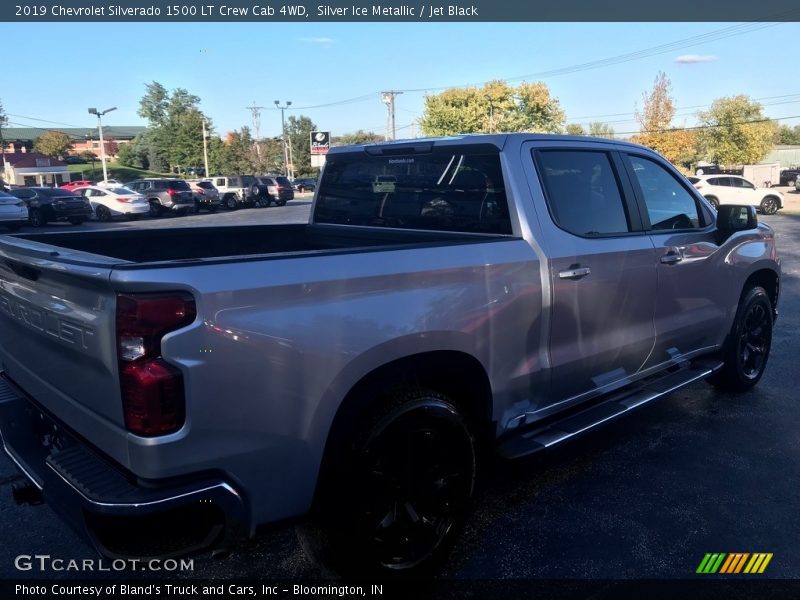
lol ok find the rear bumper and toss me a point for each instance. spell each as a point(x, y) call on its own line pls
point(118, 513)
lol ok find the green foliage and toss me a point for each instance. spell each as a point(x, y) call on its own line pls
point(175, 133)
point(298, 132)
point(115, 171)
point(358, 137)
point(575, 129)
point(234, 155)
point(789, 136)
point(603, 130)
point(736, 131)
point(53, 143)
point(495, 107)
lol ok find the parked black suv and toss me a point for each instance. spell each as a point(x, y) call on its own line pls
point(790, 176)
point(53, 204)
point(164, 195)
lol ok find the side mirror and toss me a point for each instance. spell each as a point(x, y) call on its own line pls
point(734, 217)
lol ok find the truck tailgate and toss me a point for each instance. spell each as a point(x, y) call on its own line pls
point(57, 313)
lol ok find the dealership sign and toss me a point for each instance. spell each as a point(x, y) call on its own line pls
point(320, 142)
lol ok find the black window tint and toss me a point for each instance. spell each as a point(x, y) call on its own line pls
point(742, 183)
point(24, 193)
point(283, 181)
point(582, 192)
point(179, 184)
point(447, 189)
point(714, 181)
point(669, 204)
point(725, 181)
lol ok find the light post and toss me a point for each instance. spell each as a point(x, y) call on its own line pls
point(283, 136)
point(94, 111)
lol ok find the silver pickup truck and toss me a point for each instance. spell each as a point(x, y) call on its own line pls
point(168, 391)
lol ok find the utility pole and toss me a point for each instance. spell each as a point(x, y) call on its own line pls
point(283, 136)
point(388, 99)
point(94, 111)
point(205, 148)
point(256, 112)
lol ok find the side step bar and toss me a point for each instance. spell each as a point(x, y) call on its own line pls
point(531, 440)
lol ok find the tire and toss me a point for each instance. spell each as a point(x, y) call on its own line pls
point(36, 218)
point(713, 201)
point(769, 205)
point(393, 496)
point(230, 202)
point(77, 220)
point(747, 346)
point(280, 202)
point(213, 208)
point(155, 209)
point(790, 183)
point(103, 214)
point(196, 207)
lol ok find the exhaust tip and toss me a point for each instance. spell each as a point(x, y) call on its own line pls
point(24, 492)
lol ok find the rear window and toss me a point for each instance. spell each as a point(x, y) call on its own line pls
point(206, 185)
point(248, 180)
point(179, 184)
point(283, 181)
point(449, 189)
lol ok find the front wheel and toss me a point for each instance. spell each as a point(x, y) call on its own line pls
point(155, 209)
point(394, 495)
point(769, 206)
point(746, 348)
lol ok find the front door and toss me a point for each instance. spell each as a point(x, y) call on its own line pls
point(690, 307)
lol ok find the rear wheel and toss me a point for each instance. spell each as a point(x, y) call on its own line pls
point(155, 209)
point(230, 201)
point(747, 347)
point(713, 201)
point(36, 218)
point(394, 495)
point(769, 205)
point(103, 214)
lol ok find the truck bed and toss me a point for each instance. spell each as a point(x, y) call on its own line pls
point(140, 246)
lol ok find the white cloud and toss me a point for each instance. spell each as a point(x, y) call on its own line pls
point(690, 59)
point(317, 40)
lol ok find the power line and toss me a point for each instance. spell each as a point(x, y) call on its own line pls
point(708, 126)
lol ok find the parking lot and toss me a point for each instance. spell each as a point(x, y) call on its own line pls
point(646, 497)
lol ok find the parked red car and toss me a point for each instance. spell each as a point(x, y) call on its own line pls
point(74, 185)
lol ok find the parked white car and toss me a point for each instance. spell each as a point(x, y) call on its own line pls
point(111, 183)
point(732, 189)
point(108, 203)
point(13, 212)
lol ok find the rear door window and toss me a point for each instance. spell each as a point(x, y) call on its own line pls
point(446, 189)
point(582, 192)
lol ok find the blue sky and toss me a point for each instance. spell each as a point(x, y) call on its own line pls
point(230, 65)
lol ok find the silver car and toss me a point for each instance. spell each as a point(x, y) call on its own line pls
point(13, 212)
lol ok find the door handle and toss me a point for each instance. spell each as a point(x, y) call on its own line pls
point(671, 258)
point(574, 273)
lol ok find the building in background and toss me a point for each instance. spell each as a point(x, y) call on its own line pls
point(21, 139)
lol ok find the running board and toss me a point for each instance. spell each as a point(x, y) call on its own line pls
point(535, 439)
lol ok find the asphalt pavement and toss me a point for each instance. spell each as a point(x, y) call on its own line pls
point(645, 497)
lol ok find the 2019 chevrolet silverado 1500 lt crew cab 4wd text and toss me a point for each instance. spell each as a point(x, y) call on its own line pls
point(448, 296)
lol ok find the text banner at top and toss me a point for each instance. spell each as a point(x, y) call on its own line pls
point(353, 11)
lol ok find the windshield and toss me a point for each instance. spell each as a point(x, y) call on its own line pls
point(452, 190)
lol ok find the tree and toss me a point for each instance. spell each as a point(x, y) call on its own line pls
point(175, 133)
point(789, 136)
point(735, 131)
point(496, 106)
point(298, 132)
point(603, 130)
point(575, 129)
point(358, 137)
point(53, 143)
point(655, 121)
point(233, 155)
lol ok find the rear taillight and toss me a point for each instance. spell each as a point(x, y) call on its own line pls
point(152, 390)
point(200, 192)
point(125, 198)
point(172, 192)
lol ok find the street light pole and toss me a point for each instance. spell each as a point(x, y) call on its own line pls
point(283, 136)
point(94, 111)
point(205, 148)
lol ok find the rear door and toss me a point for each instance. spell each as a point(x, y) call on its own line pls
point(602, 271)
point(690, 306)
